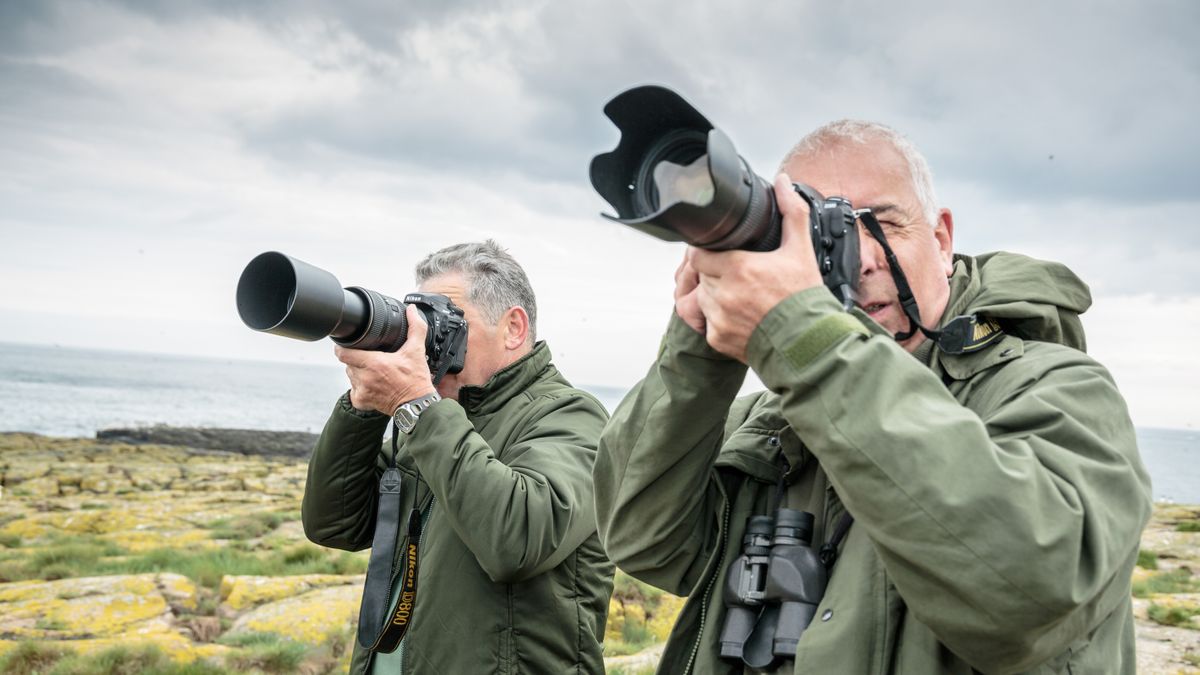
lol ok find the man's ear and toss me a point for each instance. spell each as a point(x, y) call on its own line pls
point(515, 324)
point(944, 234)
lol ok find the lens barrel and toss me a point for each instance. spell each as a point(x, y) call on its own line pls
point(282, 295)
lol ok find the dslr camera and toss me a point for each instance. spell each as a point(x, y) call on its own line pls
point(281, 295)
point(677, 177)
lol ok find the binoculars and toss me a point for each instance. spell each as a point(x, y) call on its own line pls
point(772, 590)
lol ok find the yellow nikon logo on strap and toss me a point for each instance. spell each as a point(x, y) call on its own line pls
point(982, 330)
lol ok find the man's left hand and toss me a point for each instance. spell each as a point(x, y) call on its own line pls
point(381, 380)
point(739, 288)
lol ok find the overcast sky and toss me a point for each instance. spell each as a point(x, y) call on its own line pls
point(148, 150)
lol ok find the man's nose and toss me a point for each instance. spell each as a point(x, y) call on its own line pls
point(871, 253)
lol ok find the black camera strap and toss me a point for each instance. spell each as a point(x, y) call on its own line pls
point(963, 334)
point(379, 630)
point(829, 550)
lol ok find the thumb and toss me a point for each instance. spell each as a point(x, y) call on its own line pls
point(417, 330)
point(796, 237)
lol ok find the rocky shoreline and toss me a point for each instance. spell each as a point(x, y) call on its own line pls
point(297, 444)
point(187, 543)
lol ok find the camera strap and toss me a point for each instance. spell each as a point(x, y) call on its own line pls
point(378, 629)
point(828, 552)
point(963, 334)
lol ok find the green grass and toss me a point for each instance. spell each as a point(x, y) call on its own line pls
point(121, 660)
point(1175, 581)
point(206, 567)
point(1192, 658)
point(264, 652)
point(1171, 616)
point(250, 526)
point(85, 556)
point(10, 540)
point(31, 657)
point(1188, 526)
point(1147, 560)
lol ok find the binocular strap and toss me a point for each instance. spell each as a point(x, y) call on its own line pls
point(378, 629)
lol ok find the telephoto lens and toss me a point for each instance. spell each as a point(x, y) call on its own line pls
point(281, 295)
point(677, 177)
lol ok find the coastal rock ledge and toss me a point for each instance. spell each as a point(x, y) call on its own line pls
point(155, 557)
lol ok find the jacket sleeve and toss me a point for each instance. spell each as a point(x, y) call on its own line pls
point(342, 487)
point(524, 515)
point(1009, 529)
point(656, 497)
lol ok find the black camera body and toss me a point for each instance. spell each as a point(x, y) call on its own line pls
point(282, 295)
point(675, 176)
point(772, 590)
point(446, 340)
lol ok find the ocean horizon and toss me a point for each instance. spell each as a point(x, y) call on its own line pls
point(69, 391)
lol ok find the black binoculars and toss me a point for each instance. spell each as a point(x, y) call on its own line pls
point(772, 590)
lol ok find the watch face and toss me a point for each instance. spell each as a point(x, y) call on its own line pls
point(405, 419)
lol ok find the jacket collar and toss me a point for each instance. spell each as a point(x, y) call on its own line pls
point(506, 383)
point(965, 288)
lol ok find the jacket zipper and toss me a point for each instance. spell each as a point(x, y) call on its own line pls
point(708, 591)
point(420, 539)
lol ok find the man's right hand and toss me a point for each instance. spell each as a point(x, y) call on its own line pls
point(687, 285)
point(382, 381)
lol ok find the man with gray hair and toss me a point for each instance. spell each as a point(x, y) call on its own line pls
point(510, 576)
point(895, 502)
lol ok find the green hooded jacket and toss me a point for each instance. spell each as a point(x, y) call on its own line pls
point(997, 496)
point(511, 578)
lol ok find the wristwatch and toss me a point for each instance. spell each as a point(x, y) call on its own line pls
point(406, 415)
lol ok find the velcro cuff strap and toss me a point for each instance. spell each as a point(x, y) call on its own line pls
point(823, 334)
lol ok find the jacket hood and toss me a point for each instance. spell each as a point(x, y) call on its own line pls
point(1033, 299)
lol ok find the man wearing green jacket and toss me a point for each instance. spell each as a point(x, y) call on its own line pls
point(511, 576)
point(994, 498)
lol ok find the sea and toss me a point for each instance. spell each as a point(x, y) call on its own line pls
point(66, 391)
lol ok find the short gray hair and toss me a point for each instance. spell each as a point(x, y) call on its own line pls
point(495, 280)
point(846, 132)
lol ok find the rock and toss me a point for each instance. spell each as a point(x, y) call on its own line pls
point(91, 607)
point(311, 618)
point(297, 444)
point(243, 592)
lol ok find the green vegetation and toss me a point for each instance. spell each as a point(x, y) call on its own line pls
point(1191, 658)
point(639, 616)
point(1147, 560)
point(265, 652)
point(1188, 526)
point(87, 555)
point(250, 526)
point(28, 658)
point(1172, 616)
point(1175, 581)
point(618, 670)
point(10, 541)
point(139, 660)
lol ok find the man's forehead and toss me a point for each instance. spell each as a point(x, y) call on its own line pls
point(451, 284)
point(871, 174)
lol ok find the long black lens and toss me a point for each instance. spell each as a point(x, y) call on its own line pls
point(675, 176)
point(282, 295)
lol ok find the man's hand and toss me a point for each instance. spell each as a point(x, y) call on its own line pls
point(687, 289)
point(381, 380)
point(738, 288)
